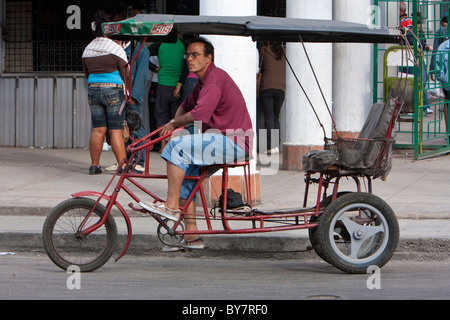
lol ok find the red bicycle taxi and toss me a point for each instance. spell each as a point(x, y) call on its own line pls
point(350, 230)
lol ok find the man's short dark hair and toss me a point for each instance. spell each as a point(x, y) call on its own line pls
point(209, 48)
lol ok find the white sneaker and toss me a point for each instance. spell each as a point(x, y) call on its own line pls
point(106, 146)
point(273, 151)
point(139, 168)
point(112, 168)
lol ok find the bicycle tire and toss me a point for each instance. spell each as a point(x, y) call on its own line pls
point(63, 244)
point(353, 243)
point(313, 238)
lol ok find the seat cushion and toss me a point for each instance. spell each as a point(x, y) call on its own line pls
point(318, 160)
point(378, 121)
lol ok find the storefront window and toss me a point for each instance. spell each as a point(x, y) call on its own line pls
point(50, 35)
point(183, 7)
point(272, 8)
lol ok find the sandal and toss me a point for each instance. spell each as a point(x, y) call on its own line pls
point(196, 244)
point(172, 248)
point(160, 209)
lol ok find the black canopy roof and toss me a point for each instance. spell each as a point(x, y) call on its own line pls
point(277, 29)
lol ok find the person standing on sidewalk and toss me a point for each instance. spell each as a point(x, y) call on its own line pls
point(153, 70)
point(105, 65)
point(139, 75)
point(442, 61)
point(405, 21)
point(273, 87)
point(172, 73)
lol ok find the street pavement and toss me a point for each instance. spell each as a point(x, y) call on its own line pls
point(33, 180)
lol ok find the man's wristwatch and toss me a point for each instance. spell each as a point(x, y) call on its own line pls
point(172, 122)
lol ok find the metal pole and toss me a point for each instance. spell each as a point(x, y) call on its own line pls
point(416, 91)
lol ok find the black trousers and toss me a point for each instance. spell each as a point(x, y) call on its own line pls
point(166, 104)
point(271, 102)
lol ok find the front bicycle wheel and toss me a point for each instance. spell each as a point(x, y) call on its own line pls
point(357, 231)
point(64, 243)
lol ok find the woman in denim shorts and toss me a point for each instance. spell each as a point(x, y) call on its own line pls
point(105, 65)
point(105, 103)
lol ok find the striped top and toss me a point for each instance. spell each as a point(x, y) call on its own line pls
point(104, 61)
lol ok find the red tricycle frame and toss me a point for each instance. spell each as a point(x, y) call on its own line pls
point(226, 216)
point(350, 230)
point(369, 238)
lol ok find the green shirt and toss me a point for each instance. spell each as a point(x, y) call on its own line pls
point(171, 61)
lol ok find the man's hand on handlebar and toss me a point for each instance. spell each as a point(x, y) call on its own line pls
point(169, 127)
point(181, 119)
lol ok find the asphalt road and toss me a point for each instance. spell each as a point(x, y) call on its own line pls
point(33, 276)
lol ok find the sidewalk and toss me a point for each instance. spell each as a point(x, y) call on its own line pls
point(34, 180)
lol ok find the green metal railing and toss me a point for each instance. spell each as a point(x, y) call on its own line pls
point(422, 124)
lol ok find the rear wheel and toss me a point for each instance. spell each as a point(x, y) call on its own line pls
point(312, 231)
point(64, 243)
point(356, 231)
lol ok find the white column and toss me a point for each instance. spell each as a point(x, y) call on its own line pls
point(352, 71)
point(238, 56)
point(303, 132)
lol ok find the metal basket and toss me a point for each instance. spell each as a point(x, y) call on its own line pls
point(365, 157)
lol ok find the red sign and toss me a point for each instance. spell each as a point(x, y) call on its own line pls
point(161, 29)
point(112, 28)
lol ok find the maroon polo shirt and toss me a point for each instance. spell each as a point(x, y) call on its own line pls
point(218, 103)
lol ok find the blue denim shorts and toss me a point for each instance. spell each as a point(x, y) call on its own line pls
point(105, 103)
point(192, 151)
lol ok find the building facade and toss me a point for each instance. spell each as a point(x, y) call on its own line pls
point(44, 93)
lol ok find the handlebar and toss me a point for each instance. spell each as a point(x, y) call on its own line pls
point(147, 142)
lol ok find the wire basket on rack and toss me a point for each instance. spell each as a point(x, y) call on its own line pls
point(367, 157)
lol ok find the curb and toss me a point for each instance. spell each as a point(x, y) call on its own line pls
point(240, 246)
